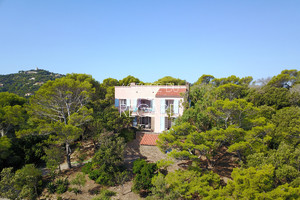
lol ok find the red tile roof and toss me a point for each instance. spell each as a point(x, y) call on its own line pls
point(170, 92)
point(149, 139)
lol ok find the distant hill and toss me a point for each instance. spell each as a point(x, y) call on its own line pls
point(25, 83)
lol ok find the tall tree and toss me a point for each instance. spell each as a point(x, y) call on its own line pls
point(204, 79)
point(12, 112)
point(169, 80)
point(60, 108)
point(130, 79)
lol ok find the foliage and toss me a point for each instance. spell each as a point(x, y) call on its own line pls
point(75, 190)
point(111, 120)
point(259, 125)
point(287, 122)
point(79, 180)
point(236, 112)
point(54, 157)
point(128, 134)
point(7, 184)
point(5, 149)
point(164, 163)
point(204, 79)
point(286, 79)
point(271, 96)
point(107, 161)
point(253, 183)
point(121, 177)
point(201, 97)
point(105, 195)
point(87, 168)
point(160, 189)
point(191, 184)
point(62, 185)
point(51, 187)
point(81, 157)
point(59, 108)
point(12, 113)
point(28, 181)
point(26, 81)
point(144, 172)
point(169, 80)
point(129, 79)
point(184, 184)
point(285, 159)
point(25, 150)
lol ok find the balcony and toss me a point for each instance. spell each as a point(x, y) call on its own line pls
point(143, 107)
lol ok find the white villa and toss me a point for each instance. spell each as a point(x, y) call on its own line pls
point(152, 106)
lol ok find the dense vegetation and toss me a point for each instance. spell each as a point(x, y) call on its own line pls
point(258, 127)
point(26, 82)
point(235, 140)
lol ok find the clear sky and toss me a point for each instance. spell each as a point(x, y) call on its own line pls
point(150, 39)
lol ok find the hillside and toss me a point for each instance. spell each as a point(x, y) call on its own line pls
point(25, 83)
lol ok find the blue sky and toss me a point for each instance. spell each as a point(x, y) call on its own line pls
point(150, 39)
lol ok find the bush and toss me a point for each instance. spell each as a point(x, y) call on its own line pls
point(138, 165)
point(87, 168)
point(62, 186)
point(128, 134)
point(105, 195)
point(144, 172)
point(51, 187)
point(107, 161)
point(79, 180)
point(75, 190)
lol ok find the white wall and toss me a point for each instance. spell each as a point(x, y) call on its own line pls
point(147, 92)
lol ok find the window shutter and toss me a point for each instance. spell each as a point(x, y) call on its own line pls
point(117, 102)
point(176, 108)
point(152, 105)
point(162, 124)
point(134, 102)
point(162, 106)
point(128, 103)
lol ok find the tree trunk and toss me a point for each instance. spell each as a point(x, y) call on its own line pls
point(68, 152)
point(2, 133)
point(239, 155)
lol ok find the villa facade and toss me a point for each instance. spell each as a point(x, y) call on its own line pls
point(153, 107)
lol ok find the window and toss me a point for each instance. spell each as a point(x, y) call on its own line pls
point(123, 105)
point(170, 105)
point(123, 102)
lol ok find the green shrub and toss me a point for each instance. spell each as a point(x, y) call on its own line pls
point(75, 190)
point(144, 172)
point(105, 195)
point(87, 168)
point(79, 180)
point(138, 165)
point(62, 186)
point(51, 187)
point(107, 161)
point(128, 134)
point(105, 179)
